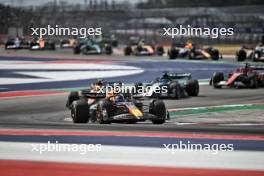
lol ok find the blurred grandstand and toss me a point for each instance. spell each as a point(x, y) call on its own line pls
point(144, 19)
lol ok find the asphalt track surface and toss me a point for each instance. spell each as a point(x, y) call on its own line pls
point(146, 69)
point(49, 111)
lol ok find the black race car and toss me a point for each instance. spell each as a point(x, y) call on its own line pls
point(204, 53)
point(250, 53)
point(17, 43)
point(170, 85)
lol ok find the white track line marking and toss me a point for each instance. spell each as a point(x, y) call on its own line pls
point(145, 156)
point(63, 71)
point(207, 107)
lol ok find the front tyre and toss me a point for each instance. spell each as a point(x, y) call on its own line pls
point(77, 49)
point(175, 90)
point(157, 108)
point(241, 55)
point(105, 111)
point(80, 111)
point(216, 79)
point(173, 53)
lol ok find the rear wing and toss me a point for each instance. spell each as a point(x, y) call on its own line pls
point(87, 93)
point(180, 75)
point(257, 67)
point(114, 84)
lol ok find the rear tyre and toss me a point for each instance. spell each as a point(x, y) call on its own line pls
point(128, 51)
point(217, 78)
point(108, 50)
point(80, 111)
point(192, 55)
point(77, 49)
point(253, 81)
point(192, 88)
point(215, 54)
point(157, 108)
point(255, 56)
point(173, 54)
point(73, 96)
point(241, 55)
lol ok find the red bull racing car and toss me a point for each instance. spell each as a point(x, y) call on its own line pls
point(193, 52)
point(98, 107)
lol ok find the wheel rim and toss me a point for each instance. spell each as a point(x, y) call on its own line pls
point(102, 115)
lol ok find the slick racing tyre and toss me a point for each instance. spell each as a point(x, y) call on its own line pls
point(160, 51)
point(241, 55)
point(80, 111)
point(173, 53)
point(77, 49)
point(115, 43)
point(73, 96)
point(217, 78)
point(215, 55)
point(256, 55)
point(157, 108)
point(253, 81)
point(192, 88)
point(105, 111)
point(108, 50)
point(128, 51)
point(51, 46)
point(192, 55)
point(175, 90)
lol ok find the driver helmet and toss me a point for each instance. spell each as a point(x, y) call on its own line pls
point(98, 85)
point(111, 96)
point(189, 44)
point(119, 98)
point(99, 82)
point(165, 76)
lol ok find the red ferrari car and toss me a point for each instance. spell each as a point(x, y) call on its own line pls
point(245, 77)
